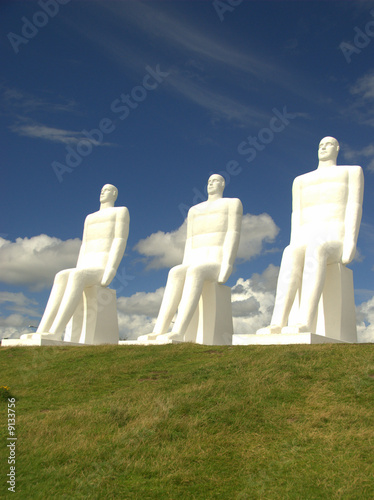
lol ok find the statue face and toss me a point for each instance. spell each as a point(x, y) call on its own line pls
point(216, 184)
point(108, 193)
point(328, 149)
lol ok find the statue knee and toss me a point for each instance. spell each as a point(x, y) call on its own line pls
point(62, 276)
point(76, 277)
point(177, 273)
point(195, 272)
point(317, 251)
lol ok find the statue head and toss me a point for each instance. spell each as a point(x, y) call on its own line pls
point(108, 193)
point(328, 149)
point(216, 184)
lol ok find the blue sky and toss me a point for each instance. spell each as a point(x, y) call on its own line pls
point(169, 92)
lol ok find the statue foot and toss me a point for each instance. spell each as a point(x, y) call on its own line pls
point(298, 328)
point(268, 330)
point(43, 335)
point(145, 338)
point(48, 335)
point(170, 336)
point(26, 336)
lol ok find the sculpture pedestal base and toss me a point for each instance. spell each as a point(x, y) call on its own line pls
point(95, 320)
point(284, 339)
point(212, 320)
point(336, 315)
point(37, 340)
point(147, 342)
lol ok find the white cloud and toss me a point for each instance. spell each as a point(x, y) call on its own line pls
point(142, 303)
point(38, 131)
point(131, 326)
point(365, 321)
point(14, 325)
point(163, 249)
point(137, 314)
point(357, 154)
point(18, 302)
point(252, 305)
point(166, 249)
point(364, 87)
point(361, 109)
point(253, 301)
point(219, 105)
point(15, 100)
point(29, 128)
point(35, 261)
point(256, 231)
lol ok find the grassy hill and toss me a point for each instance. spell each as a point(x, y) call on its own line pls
point(190, 422)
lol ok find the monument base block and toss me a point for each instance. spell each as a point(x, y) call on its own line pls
point(36, 340)
point(212, 321)
point(284, 339)
point(95, 320)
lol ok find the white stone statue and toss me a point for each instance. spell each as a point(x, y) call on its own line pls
point(103, 245)
point(326, 216)
point(213, 232)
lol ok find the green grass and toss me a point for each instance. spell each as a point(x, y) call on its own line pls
point(190, 422)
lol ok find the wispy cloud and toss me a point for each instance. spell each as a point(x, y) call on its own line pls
point(364, 87)
point(19, 303)
point(217, 104)
point(17, 101)
point(362, 107)
point(22, 107)
point(202, 65)
point(366, 153)
point(28, 128)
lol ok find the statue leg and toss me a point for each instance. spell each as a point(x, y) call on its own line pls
point(171, 299)
point(54, 300)
point(195, 278)
point(317, 257)
point(289, 281)
point(78, 280)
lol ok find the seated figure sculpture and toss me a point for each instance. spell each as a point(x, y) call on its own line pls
point(326, 216)
point(103, 245)
point(213, 232)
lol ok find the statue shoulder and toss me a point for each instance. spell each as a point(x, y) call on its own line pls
point(235, 204)
point(122, 213)
point(356, 169)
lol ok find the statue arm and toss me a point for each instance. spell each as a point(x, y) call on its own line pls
point(188, 245)
point(82, 249)
point(295, 217)
point(231, 243)
point(118, 246)
point(353, 213)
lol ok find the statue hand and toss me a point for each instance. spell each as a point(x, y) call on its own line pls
point(224, 274)
point(349, 251)
point(108, 277)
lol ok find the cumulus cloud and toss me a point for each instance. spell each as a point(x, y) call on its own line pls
point(365, 321)
point(33, 262)
point(142, 303)
point(253, 301)
point(14, 325)
point(166, 249)
point(256, 231)
point(252, 305)
point(131, 326)
point(163, 249)
point(137, 314)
